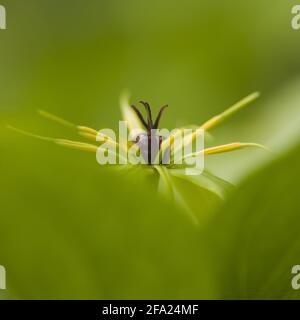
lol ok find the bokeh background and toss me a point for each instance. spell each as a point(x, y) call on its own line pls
point(70, 229)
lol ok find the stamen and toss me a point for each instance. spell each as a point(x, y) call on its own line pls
point(55, 118)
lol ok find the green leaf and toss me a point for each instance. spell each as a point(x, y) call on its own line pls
point(253, 241)
point(205, 180)
point(199, 196)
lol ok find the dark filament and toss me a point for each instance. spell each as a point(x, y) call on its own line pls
point(149, 123)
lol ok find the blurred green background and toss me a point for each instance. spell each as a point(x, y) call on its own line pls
point(72, 229)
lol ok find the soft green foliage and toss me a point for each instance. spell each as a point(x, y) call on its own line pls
point(71, 229)
point(76, 243)
point(253, 242)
